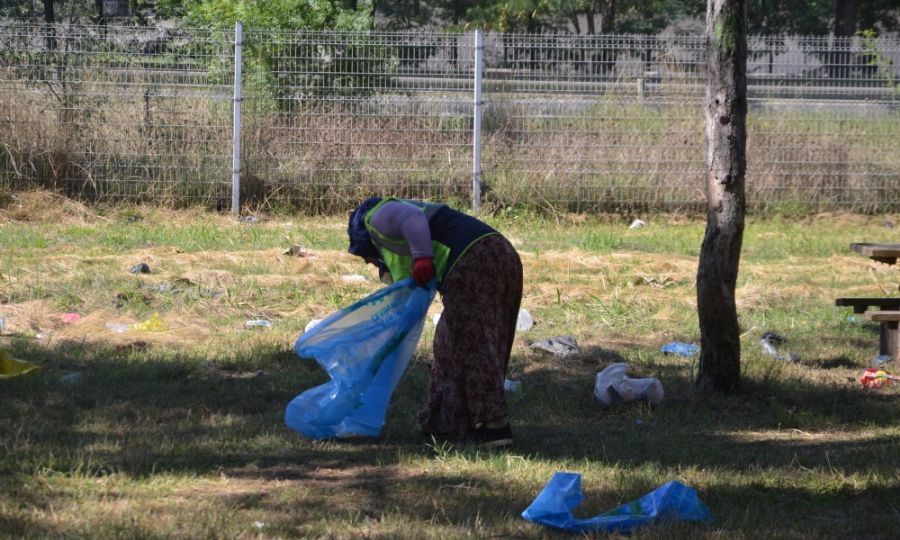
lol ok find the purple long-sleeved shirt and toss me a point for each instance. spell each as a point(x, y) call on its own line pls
point(395, 219)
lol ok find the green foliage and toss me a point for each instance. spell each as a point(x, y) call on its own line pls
point(873, 56)
point(279, 14)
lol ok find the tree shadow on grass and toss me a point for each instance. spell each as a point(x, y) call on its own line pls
point(139, 414)
point(773, 417)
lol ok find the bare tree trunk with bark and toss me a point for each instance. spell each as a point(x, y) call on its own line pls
point(726, 114)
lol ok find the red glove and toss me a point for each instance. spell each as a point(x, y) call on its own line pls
point(423, 271)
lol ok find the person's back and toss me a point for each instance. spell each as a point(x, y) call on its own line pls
point(397, 218)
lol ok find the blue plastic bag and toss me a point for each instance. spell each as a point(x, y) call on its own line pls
point(679, 348)
point(553, 507)
point(365, 348)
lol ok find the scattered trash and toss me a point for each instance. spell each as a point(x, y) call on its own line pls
point(118, 328)
point(881, 360)
point(2, 326)
point(874, 377)
point(853, 319)
point(72, 378)
point(671, 501)
point(13, 367)
point(354, 278)
point(681, 349)
point(656, 283)
point(70, 318)
point(637, 224)
point(639, 422)
point(259, 323)
point(249, 219)
point(153, 324)
point(512, 386)
point(560, 345)
point(435, 318)
point(164, 288)
point(525, 321)
point(140, 268)
point(311, 324)
point(134, 218)
point(769, 343)
point(612, 385)
point(39, 335)
point(295, 251)
point(889, 224)
point(258, 525)
point(212, 293)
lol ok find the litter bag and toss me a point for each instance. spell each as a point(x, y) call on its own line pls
point(364, 348)
point(553, 507)
point(13, 367)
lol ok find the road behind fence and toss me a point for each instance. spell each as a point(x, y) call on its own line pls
point(564, 123)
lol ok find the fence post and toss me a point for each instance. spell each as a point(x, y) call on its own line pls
point(476, 125)
point(236, 145)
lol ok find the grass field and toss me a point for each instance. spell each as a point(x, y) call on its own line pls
point(179, 433)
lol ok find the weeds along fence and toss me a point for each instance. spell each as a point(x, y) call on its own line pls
point(555, 122)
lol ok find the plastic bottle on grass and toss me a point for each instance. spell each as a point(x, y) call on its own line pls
point(681, 349)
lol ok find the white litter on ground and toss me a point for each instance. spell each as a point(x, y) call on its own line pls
point(525, 321)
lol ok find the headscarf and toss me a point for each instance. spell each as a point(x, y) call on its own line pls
point(360, 242)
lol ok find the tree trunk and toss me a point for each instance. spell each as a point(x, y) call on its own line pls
point(49, 15)
point(609, 17)
point(49, 19)
point(726, 114)
point(845, 18)
point(101, 17)
point(841, 61)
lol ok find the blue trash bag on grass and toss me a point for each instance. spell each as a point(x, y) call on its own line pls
point(553, 507)
point(365, 348)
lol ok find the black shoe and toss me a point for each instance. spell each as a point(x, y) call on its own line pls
point(486, 437)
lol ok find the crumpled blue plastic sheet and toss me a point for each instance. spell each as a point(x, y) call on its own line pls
point(365, 349)
point(681, 349)
point(672, 501)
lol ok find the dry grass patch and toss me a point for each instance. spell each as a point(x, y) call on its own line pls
point(45, 207)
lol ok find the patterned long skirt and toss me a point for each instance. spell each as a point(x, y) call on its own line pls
point(473, 339)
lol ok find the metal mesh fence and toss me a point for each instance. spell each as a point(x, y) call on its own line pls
point(617, 122)
point(116, 112)
point(582, 123)
point(348, 115)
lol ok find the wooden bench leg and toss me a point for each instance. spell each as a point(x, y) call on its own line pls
point(889, 340)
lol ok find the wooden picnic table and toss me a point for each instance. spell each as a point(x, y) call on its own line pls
point(887, 313)
point(885, 253)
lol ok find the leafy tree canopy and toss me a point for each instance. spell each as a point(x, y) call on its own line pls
point(285, 14)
